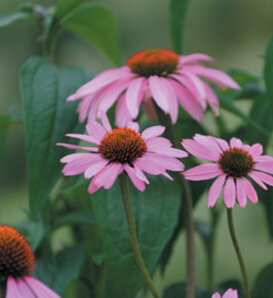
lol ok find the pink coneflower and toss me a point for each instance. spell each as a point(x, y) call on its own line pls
point(121, 149)
point(230, 293)
point(16, 265)
point(160, 74)
point(233, 165)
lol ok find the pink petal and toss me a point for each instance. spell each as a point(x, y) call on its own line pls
point(105, 122)
point(230, 293)
point(111, 94)
point(229, 193)
point(75, 167)
point(257, 179)
point(218, 77)
point(256, 150)
point(88, 157)
point(12, 289)
point(122, 114)
point(203, 172)
point(222, 143)
point(171, 152)
point(40, 289)
point(95, 167)
point(250, 191)
point(95, 130)
point(264, 158)
point(215, 190)
point(168, 162)
point(84, 107)
point(85, 138)
point(173, 104)
point(240, 192)
point(235, 143)
point(140, 174)
point(71, 146)
point(216, 295)
point(193, 58)
point(212, 99)
point(209, 143)
point(105, 78)
point(158, 143)
point(263, 177)
point(108, 175)
point(134, 95)
point(264, 167)
point(134, 126)
point(149, 164)
point(190, 104)
point(139, 184)
point(152, 132)
point(199, 150)
point(26, 291)
point(160, 91)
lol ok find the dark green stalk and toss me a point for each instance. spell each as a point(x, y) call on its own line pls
point(238, 252)
point(132, 233)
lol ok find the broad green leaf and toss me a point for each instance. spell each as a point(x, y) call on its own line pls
point(48, 117)
point(65, 268)
point(76, 217)
point(155, 212)
point(12, 17)
point(178, 13)
point(5, 122)
point(263, 286)
point(66, 6)
point(266, 199)
point(268, 73)
point(178, 290)
point(96, 24)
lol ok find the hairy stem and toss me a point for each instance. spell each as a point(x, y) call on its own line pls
point(186, 199)
point(238, 252)
point(132, 233)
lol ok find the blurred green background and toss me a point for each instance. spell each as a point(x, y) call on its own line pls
point(234, 32)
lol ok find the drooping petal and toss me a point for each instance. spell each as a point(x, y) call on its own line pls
point(95, 167)
point(264, 167)
point(12, 289)
point(134, 95)
point(194, 58)
point(256, 178)
point(26, 291)
point(250, 191)
point(138, 183)
point(171, 152)
point(76, 167)
point(149, 164)
point(212, 99)
point(199, 150)
point(188, 101)
point(168, 162)
point(122, 114)
point(218, 77)
point(215, 190)
point(263, 177)
point(173, 104)
point(203, 172)
point(88, 157)
point(229, 193)
point(39, 288)
point(85, 138)
point(240, 192)
point(84, 106)
point(71, 146)
point(160, 91)
point(152, 132)
point(264, 158)
point(209, 143)
point(158, 143)
point(95, 130)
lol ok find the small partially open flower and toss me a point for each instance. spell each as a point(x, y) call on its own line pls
point(158, 74)
point(121, 149)
point(16, 265)
point(230, 293)
point(233, 164)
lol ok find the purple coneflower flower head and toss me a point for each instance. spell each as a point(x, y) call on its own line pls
point(16, 265)
point(160, 75)
point(233, 165)
point(121, 149)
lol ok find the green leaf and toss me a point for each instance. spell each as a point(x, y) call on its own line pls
point(66, 269)
point(96, 24)
point(268, 73)
point(155, 212)
point(48, 117)
point(263, 286)
point(76, 217)
point(66, 6)
point(12, 17)
point(5, 122)
point(178, 13)
point(178, 290)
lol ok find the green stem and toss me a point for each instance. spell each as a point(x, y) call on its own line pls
point(132, 233)
point(238, 252)
point(186, 199)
